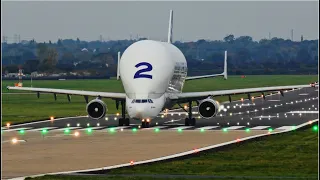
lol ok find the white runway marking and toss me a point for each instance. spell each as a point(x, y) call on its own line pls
point(264, 117)
point(93, 128)
point(116, 128)
point(17, 129)
point(39, 129)
point(273, 100)
point(259, 127)
point(303, 94)
point(303, 112)
point(156, 127)
point(181, 127)
point(208, 127)
point(234, 127)
point(173, 120)
point(70, 128)
point(284, 128)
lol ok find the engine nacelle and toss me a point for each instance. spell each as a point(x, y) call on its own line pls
point(208, 108)
point(96, 109)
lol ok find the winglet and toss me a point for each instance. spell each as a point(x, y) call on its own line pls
point(170, 27)
point(118, 66)
point(225, 72)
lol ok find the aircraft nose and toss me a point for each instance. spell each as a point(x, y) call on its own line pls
point(141, 111)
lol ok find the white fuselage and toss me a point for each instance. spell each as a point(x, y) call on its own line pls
point(149, 70)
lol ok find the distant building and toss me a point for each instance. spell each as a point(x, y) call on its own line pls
point(12, 75)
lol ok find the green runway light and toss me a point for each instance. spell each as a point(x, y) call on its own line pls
point(315, 128)
point(270, 129)
point(66, 131)
point(111, 129)
point(44, 131)
point(134, 130)
point(293, 127)
point(248, 130)
point(224, 129)
point(156, 129)
point(89, 130)
point(21, 131)
point(201, 130)
point(179, 130)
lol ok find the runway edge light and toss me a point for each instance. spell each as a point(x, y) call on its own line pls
point(315, 128)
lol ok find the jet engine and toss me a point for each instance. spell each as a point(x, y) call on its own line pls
point(208, 108)
point(96, 109)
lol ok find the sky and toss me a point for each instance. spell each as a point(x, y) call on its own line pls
point(44, 21)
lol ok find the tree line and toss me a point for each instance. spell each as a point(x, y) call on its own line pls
point(245, 56)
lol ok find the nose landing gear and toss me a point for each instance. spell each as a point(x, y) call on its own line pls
point(123, 121)
point(145, 123)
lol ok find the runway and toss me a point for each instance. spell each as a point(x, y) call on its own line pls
point(276, 112)
point(51, 146)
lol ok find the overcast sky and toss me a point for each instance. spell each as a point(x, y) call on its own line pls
point(192, 20)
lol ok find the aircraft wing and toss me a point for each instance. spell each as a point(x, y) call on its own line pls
point(72, 92)
point(182, 97)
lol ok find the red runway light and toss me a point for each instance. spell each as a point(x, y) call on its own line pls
point(131, 162)
point(8, 125)
point(238, 140)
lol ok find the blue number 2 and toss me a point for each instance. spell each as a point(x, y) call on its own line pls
point(139, 74)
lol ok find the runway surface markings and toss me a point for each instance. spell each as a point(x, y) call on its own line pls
point(303, 94)
point(208, 127)
point(70, 128)
point(116, 128)
point(39, 129)
point(303, 112)
point(93, 128)
point(156, 127)
point(17, 129)
point(234, 127)
point(273, 100)
point(264, 116)
point(181, 127)
point(284, 128)
point(259, 127)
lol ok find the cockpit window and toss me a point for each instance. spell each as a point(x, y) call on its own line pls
point(142, 101)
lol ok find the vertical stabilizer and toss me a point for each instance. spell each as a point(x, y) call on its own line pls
point(170, 27)
point(225, 72)
point(118, 67)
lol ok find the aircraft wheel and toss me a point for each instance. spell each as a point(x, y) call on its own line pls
point(121, 121)
point(127, 122)
point(193, 122)
point(143, 124)
point(186, 122)
point(147, 124)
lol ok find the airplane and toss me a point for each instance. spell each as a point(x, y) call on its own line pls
point(153, 74)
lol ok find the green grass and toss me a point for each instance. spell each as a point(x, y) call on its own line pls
point(293, 154)
point(25, 108)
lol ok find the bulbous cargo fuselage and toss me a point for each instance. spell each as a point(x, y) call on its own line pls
point(148, 70)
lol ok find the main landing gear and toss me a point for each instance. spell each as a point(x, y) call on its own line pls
point(190, 121)
point(123, 121)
